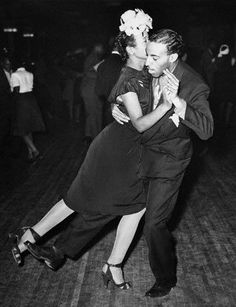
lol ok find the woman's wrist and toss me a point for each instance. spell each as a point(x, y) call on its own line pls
point(163, 108)
point(177, 102)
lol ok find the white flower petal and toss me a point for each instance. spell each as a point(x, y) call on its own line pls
point(130, 14)
point(135, 22)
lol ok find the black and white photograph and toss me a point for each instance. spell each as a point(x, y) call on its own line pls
point(118, 153)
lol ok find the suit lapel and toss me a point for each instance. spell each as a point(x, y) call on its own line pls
point(179, 70)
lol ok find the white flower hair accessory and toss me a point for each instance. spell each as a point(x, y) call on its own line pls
point(135, 22)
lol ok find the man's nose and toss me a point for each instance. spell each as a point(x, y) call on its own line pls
point(147, 61)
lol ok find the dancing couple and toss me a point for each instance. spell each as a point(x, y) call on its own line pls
point(136, 163)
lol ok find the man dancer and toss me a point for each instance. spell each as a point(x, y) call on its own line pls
point(167, 148)
point(166, 154)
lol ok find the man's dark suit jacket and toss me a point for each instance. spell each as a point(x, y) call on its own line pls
point(5, 93)
point(107, 74)
point(167, 149)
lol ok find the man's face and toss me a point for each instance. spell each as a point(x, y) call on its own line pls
point(158, 58)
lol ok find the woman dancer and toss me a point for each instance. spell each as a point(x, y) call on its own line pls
point(28, 117)
point(108, 183)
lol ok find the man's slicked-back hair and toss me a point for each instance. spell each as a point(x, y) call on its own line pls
point(173, 41)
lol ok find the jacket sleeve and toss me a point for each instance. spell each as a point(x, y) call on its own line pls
point(198, 116)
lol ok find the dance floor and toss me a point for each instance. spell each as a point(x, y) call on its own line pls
point(203, 225)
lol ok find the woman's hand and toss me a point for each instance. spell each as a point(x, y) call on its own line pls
point(119, 116)
point(171, 87)
point(165, 93)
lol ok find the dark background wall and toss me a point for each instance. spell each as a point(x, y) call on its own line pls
point(63, 25)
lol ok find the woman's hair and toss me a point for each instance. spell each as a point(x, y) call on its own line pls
point(20, 62)
point(121, 41)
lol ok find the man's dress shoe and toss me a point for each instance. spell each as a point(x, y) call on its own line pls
point(52, 256)
point(159, 290)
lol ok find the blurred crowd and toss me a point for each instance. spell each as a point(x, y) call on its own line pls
point(217, 66)
point(74, 88)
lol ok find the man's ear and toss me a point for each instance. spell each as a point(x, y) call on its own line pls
point(173, 57)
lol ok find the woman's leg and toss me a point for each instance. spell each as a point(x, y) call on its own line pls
point(28, 139)
point(55, 215)
point(124, 236)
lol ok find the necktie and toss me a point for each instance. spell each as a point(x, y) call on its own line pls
point(158, 96)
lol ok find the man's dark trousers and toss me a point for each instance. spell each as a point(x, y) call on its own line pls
point(161, 199)
point(80, 231)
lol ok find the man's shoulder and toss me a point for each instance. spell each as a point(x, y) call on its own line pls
point(15, 74)
point(191, 76)
point(191, 83)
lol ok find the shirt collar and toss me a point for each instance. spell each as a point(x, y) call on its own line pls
point(21, 69)
point(179, 71)
point(174, 66)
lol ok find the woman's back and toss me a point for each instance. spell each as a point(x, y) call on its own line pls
point(23, 79)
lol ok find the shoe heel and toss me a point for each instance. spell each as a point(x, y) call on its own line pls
point(108, 277)
point(14, 249)
point(105, 280)
point(15, 238)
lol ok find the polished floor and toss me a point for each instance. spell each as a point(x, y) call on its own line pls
point(203, 225)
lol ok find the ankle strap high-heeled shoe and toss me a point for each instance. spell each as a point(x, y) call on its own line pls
point(15, 239)
point(108, 277)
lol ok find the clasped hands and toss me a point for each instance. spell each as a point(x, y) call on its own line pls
point(169, 90)
point(168, 86)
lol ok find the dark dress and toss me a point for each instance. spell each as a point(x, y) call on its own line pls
point(28, 117)
point(108, 181)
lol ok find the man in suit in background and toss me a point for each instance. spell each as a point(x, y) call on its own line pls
point(207, 63)
point(167, 147)
point(107, 74)
point(5, 101)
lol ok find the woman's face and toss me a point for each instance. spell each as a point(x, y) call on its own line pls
point(140, 48)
